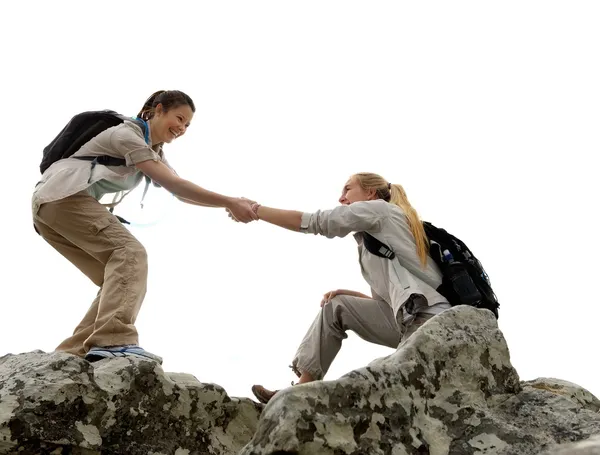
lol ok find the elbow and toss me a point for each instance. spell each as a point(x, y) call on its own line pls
point(319, 230)
point(332, 233)
point(173, 185)
point(161, 174)
point(328, 229)
point(319, 223)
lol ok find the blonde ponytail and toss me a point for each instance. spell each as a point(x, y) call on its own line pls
point(395, 194)
point(398, 197)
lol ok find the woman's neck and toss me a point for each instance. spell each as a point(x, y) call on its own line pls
point(152, 134)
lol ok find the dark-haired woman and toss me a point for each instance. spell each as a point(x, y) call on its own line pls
point(68, 215)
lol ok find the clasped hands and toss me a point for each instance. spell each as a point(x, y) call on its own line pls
point(243, 210)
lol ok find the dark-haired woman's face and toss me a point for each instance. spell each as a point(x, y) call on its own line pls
point(171, 124)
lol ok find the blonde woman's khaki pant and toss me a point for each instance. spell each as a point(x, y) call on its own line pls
point(94, 240)
point(372, 320)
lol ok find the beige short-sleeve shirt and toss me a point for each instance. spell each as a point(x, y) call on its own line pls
point(70, 175)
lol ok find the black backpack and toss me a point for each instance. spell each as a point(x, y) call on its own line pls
point(82, 128)
point(464, 281)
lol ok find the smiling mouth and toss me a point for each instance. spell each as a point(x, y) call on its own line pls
point(174, 133)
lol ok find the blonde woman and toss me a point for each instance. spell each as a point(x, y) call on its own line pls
point(403, 290)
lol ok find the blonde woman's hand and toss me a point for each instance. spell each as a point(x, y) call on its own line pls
point(331, 294)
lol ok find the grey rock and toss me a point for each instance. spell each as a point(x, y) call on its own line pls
point(61, 404)
point(449, 389)
point(590, 446)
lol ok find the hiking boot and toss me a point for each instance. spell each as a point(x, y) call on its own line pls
point(129, 350)
point(263, 395)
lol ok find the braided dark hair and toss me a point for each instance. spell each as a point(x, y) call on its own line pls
point(169, 99)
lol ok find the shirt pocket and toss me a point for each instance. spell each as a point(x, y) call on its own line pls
point(400, 274)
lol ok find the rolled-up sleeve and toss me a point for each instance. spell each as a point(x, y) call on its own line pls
point(340, 221)
point(133, 148)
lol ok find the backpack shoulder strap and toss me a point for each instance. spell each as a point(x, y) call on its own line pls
point(107, 160)
point(104, 160)
point(376, 247)
point(139, 122)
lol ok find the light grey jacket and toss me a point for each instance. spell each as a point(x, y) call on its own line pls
point(391, 280)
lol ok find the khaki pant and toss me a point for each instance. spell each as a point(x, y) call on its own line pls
point(94, 240)
point(372, 320)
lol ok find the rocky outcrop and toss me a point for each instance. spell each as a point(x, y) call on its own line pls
point(590, 446)
point(449, 389)
point(61, 404)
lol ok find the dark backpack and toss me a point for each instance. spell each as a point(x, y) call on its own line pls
point(81, 129)
point(464, 281)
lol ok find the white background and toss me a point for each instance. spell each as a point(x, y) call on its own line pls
point(486, 112)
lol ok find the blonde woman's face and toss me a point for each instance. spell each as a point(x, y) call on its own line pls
point(353, 192)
